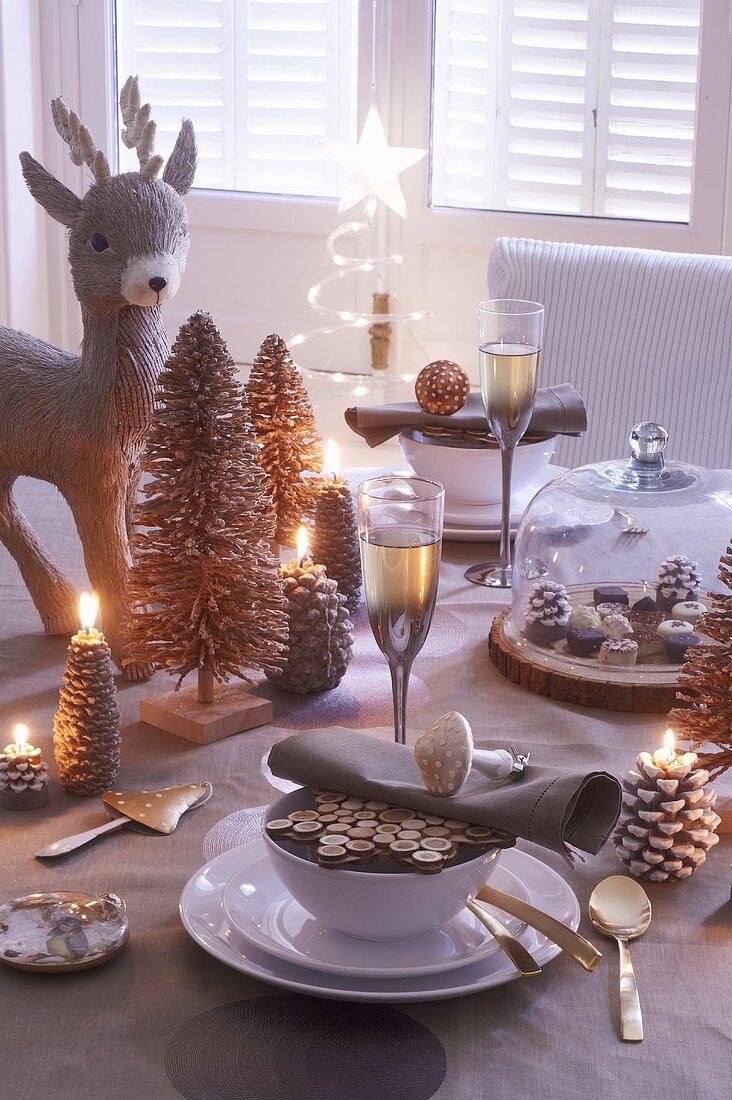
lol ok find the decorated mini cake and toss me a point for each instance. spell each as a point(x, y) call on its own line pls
point(678, 580)
point(585, 618)
point(615, 626)
point(645, 603)
point(585, 642)
point(649, 643)
point(645, 620)
point(677, 645)
point(688, 610)
point(671, 627)
point(547, 619)
point(610, 593)
point(605, 609)
point(619, 651)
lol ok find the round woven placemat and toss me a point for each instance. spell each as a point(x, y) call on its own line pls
point(304, 1048)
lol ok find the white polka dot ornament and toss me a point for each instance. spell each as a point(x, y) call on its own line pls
point(445, 756)
point(442, 387)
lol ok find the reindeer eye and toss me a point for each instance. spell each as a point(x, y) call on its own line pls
point(99, 243)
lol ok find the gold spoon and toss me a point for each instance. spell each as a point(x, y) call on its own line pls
point(524, 962)
point(620, 908)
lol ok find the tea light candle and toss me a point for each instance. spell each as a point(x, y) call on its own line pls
point(23, 774)
point(335, 540)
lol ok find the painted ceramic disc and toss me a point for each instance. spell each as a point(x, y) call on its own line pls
point(61, 932)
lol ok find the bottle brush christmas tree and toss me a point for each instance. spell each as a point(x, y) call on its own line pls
point(204, 591)
point(704, 721)
point(284, 425)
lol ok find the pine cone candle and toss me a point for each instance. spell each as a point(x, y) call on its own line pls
point(23, 774)
point(284, 425)
point(547, 618)
point(320, 632)
point(335, 538)
point(86, 735)
point(669, 823)
point(678, 579)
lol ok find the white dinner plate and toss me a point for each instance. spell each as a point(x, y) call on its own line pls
point(259, 906)
point(203, 916)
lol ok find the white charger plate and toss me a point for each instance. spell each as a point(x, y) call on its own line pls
point(203, 917)
point(259, 906)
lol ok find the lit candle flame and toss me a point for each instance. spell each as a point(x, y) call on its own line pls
point(668, 752)
point(302, 543)
point(332, 458)
point(88, 607)
point(21, 735)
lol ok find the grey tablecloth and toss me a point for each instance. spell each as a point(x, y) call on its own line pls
point(103, 1033)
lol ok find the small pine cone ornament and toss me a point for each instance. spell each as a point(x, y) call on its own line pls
point(86, 735)
point(442, 387)
point(547, 616)
point(669, 823)
point(320, 636)
point(678, 579)
point(335, 540)
point(23, 778)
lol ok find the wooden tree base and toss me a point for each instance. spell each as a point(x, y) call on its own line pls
point(233, 710)
point(568, 688)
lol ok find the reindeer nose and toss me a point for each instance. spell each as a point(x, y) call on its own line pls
point(158, 283)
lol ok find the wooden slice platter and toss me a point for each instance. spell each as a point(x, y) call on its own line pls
point(643, 689)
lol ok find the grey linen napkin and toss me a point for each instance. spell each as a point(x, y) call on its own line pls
point(557, 410)
point(548, 806)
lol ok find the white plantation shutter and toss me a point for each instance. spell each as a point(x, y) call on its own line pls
point(265, 82)
point(565, 106)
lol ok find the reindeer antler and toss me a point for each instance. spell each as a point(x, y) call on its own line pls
point(139, 129)
point(82, 148)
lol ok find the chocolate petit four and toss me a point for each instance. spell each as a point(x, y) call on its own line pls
point(671, 627)
point(610, 593)
point(677, 645)
point(615, 626)
point(649, 643)
point(645, 620)
point(618, 651)
point(688, 610)
point(644, 604)
point(678, 579)
point(547, 618)
point(584, 642)
point(605, 609)
point(585, 618)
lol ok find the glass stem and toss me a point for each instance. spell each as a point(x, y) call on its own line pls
point(399, 687)
point(504, 555)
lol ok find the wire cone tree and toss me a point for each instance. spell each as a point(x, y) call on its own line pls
point(704, 722)
point(284, 424)
point(204, 591)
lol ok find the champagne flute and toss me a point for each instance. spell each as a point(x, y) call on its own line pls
point(400, 529)
point(510, 336)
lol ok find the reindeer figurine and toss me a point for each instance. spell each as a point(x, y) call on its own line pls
point(79, 421)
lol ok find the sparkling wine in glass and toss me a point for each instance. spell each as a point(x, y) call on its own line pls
point(400, 529)
point(509, 351)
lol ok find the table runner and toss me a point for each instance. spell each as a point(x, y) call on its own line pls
point(104, 1033)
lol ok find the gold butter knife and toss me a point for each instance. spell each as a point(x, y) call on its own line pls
point(580, 949)
point(524, 962)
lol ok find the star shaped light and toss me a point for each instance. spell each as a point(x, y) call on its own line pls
point(373, 166)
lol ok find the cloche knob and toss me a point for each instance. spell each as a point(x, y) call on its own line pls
point(647, 444)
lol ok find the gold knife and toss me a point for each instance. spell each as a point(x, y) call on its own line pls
point(524, 962)
point(580, 949)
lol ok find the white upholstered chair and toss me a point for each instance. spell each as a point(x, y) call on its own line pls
point(643, 335)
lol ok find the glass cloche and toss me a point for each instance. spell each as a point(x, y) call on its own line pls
point(613, 562)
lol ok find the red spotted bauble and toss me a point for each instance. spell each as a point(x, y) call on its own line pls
point(442, 387)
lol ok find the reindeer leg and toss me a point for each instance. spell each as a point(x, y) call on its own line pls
point(53, 595)
point(100, 517)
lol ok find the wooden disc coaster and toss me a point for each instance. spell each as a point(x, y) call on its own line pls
point(541, 677)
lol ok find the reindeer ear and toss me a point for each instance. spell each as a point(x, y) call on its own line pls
point(181, 166)
point(55, 198)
